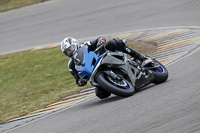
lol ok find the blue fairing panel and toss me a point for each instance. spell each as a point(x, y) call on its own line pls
point(89, 63)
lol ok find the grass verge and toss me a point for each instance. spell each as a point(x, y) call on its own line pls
point(32, 80)
point(6, 5)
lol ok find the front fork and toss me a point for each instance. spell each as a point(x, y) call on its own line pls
point(113, 75)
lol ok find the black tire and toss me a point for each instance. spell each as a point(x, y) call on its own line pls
point(101, 93)
point(104, 82)
point(160, 74)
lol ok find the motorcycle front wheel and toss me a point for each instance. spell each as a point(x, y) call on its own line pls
point(121, 87)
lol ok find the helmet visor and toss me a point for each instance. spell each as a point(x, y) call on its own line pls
point(69, 51)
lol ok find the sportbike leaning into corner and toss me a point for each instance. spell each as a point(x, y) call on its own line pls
point(106, 66)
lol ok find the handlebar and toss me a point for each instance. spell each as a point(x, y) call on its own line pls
point(100, 50)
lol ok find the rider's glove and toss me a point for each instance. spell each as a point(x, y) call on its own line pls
point(101, 41)
point(81, 82)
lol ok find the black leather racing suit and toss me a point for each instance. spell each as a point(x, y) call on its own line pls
point(112, 45)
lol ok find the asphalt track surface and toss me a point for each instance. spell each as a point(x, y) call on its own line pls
point(169, 107)
point(51, 21)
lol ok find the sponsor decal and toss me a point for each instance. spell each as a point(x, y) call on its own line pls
point(128, 50)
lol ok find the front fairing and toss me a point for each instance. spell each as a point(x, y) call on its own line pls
point(85, 62)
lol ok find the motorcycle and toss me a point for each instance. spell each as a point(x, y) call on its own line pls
point(113, 72)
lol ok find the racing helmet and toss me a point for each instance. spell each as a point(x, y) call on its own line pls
point(69, 45)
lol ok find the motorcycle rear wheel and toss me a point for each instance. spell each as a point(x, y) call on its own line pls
point(160, 73)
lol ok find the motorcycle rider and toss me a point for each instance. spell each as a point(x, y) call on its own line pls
point(69, 45)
